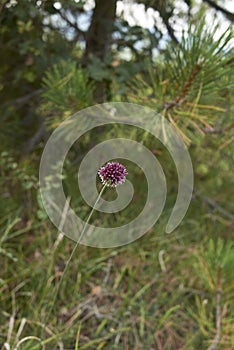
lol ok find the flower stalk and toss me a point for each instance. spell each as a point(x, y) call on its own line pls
point(111, 175)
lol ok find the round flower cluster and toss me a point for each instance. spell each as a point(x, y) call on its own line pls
point(112, 174)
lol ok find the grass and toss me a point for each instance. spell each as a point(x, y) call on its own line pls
point(159, 292)
point(162, 292)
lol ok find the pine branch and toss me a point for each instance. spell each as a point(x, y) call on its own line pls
point(40, 134)
point(24, 99)
point(213, 204)
point(228, 14)
point(165, 15)
point(71, 24)
point(179, 99)
point(212, 130)
point(169, 28)
point(3, 4)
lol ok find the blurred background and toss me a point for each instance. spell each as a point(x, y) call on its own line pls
point(164, 291)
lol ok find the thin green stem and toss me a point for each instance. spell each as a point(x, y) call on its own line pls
point(72, 254)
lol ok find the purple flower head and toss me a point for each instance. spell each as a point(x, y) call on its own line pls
point(112, 174)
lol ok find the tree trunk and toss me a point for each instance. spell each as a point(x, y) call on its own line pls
point(99, 36)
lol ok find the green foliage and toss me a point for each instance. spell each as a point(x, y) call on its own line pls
point(67, 87)
point(18, 181)
point(196, 66)
point(216, 258)
point(162, 291)
point(192, 83)
point(10, 169)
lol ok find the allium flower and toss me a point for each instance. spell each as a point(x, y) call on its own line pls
point(112, 174)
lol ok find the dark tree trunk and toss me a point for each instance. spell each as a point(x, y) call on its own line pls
point(99, 36)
